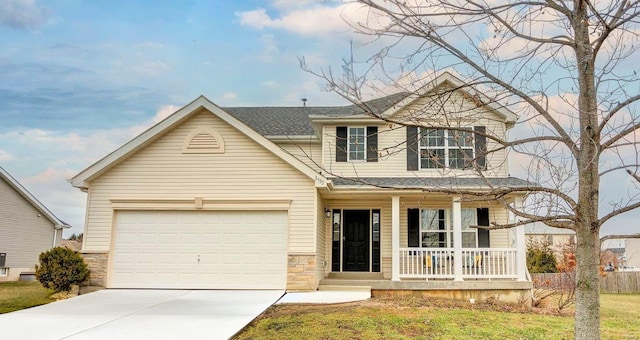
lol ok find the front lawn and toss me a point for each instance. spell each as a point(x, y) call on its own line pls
point(20, 295)
point(435, 319)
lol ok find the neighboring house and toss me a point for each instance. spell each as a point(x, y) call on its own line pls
point(557, 238)
point(297, 197)
point(27, 228)
point(632, 253)
point(623, 253)
point(74, 245)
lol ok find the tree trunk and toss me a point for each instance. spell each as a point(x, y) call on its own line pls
point(587, 318)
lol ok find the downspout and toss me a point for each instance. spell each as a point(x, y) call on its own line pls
point(55, 234)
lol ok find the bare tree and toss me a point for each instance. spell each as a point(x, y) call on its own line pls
point(566, 67)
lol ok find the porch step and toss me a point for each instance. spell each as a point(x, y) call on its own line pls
point(345, 288)
point(355, 276)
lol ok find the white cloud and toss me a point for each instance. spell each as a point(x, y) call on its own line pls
point(289, 4)
point(316, 21)
point(22, 14)
point(5, 156)
point(164, 112)
point(269, 83)
point(270, 48)
point(229, 96)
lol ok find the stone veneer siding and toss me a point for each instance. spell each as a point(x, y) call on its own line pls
point(301, 272)
point(97, 263)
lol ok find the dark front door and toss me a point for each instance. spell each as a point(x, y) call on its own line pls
point(355, 246)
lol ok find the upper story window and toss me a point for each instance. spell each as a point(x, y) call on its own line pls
point(357, 144)
point(445, 149)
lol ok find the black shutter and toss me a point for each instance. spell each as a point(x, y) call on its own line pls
point(481, 147)
point(3, 258)
point(412, 148)
point(372, 143)
point(341, 144)
point(483, 234)
point(413, 227)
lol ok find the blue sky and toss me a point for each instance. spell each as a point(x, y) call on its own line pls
point(80, 78)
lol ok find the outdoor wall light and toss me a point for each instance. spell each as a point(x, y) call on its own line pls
point(327, 212)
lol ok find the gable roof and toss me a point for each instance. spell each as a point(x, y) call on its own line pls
point(448, 78)
point(82, 179)
point(22, 191)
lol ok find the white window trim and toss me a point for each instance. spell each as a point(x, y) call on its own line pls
point(448, 227)
point(4, 271)
point(364, 156)
point(445, 147)
point(447, 231)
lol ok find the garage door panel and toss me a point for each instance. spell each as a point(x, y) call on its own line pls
point(158, 249)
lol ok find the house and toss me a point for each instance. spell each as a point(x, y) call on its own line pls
point(624, 254)
point(298, 197)
point(27, 228)
point(557, 238)
point(74, 245)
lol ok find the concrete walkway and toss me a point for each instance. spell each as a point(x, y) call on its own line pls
point(140, 314)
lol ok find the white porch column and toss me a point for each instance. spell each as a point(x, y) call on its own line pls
point(457, 239)
point(395, 238)
point(521, 243)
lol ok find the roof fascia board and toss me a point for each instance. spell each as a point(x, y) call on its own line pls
point(58, 224)
point(293, 139)
point(347, 119)
point(83, 178)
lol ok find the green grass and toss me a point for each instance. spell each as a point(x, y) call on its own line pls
point(433, 319)
point(20, 295)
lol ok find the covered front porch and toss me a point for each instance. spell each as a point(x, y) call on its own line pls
point(390, 239)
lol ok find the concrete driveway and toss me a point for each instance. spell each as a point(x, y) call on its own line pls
point(140, 314)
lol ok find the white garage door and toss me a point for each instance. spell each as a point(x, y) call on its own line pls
point(204, 249)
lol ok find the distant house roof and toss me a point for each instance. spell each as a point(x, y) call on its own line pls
point(31, 199)
point(432, 182)
point(72, 244)
point(539, 228)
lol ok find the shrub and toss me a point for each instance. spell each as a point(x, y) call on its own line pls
point(60, 268)
point(540, 258)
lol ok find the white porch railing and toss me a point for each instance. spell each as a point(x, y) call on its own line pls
point(477, 263)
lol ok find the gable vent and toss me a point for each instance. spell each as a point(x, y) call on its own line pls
point(203, 141)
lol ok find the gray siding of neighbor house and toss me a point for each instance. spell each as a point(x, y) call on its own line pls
point(23, 235)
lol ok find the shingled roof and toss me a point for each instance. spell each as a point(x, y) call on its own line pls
point(295, 121)
point(434, 182)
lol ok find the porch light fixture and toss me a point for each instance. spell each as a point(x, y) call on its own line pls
point(327, 212)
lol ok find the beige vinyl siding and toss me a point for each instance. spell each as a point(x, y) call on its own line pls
point(392, 147)
point(245, 171)
point(322, 260)
point(310, 153)
point(24, 234)
point(632, 252)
